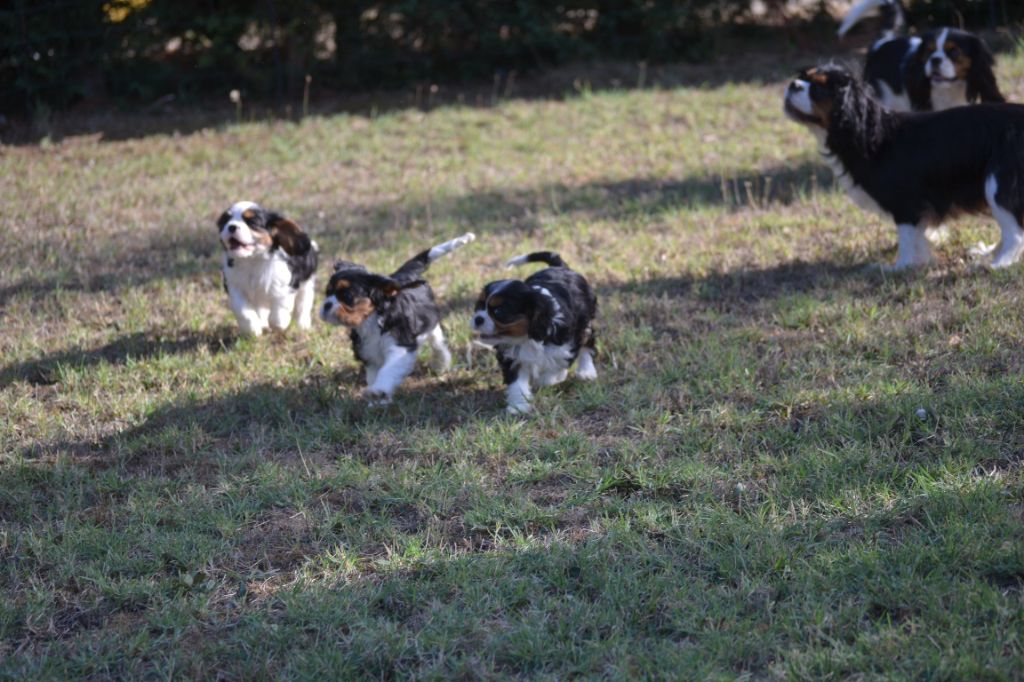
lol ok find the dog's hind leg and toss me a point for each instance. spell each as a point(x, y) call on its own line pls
point(441, 358)
point(1007, 213)
point(585, 369)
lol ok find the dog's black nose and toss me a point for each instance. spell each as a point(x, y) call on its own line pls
point(478, 320)
point(232, 228)
point(936, 61)
point(328, 305)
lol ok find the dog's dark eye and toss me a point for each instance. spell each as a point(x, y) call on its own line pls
point(953, 53)
point(816, 91)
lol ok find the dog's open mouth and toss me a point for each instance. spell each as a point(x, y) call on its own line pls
point(939, 78)
point(235, 245)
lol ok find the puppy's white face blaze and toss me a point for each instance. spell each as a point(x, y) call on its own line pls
point(238, 237)
point(945, 61)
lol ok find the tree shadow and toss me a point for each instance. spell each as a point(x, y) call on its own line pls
point(191, 253)
point(115, 264)
point(519, 211)
point(749, 286)
point(322, 411)
point(136, 346)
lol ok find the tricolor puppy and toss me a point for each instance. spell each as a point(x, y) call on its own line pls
point(538, 327)
point(269, 268)
point(390, 317)
point(918, 169)
point(941, 69)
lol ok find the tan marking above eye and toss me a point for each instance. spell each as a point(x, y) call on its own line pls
point(249, 214)
point(819, 78)
point(342, 284)
point(495, 301)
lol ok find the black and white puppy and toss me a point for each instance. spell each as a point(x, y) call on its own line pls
point(941, 69)
point(269, 268)
point(390, 317)
point(538, 327)
point(918, 169)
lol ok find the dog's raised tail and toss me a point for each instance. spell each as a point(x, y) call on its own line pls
point(549, 257)
point(447, 247)
point(418, 264)
point(893, 17)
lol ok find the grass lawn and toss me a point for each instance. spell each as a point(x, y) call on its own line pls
point(792, 465)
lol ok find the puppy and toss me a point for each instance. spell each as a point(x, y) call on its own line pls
point(269, 268)
point(538, 327)
point(917, 169)
point(943, 68)
point(390, 318)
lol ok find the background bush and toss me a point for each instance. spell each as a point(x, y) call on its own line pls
point(54, 53)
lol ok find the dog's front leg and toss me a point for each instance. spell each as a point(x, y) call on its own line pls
point(398, 364)
point(249, 319)
point(519, 394)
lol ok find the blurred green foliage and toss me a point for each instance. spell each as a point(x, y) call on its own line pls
point(54, 53)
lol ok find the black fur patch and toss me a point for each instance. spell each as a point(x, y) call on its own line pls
point(923, 168)
point(899, 63)
point(404, 303)
point(562, 316)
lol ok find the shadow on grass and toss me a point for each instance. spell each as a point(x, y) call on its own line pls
point(752, 285)
point(137, 346)
point(519, 211)
point(323, 412)
point(194, 252)
point(117, 264)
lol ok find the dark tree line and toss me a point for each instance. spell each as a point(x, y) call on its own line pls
point(54, 53)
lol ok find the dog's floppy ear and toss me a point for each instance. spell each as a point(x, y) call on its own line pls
point(387, 286)
point(541, 316)
point(981, 77)
point(288, 235)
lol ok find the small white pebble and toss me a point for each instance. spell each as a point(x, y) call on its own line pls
point(922, 414)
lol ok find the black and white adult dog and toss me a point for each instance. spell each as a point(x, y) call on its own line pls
point(269, 268)
point(538, 327)
point(918, 169)
point(390, 317)
point(941, 69)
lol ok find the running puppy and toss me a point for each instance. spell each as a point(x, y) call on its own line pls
point(943, 68)
point(918, 169)
point(538, 327)
point(390, 318)
point(269, 268)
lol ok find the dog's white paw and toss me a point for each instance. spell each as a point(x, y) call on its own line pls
point(588, 373)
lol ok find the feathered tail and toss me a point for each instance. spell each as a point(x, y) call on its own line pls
point(894, 20)
point(549, 257)
point(418, 264)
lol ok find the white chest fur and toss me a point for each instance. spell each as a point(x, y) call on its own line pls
point(261, 280)
point(539, 358)
point(948, 95)
point(373, 345)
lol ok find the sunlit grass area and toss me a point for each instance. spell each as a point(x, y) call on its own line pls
point(792, 464)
